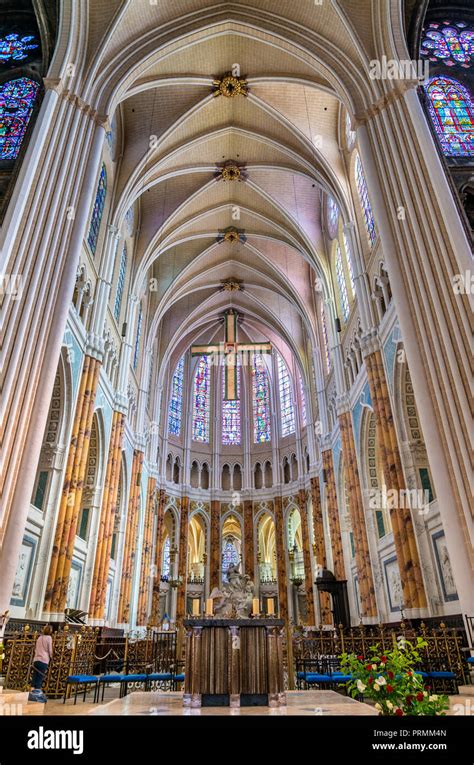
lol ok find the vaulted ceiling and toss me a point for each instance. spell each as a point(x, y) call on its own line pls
point(304, 64)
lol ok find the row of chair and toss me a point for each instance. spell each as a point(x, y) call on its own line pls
point(84, 683)
point(325, 672)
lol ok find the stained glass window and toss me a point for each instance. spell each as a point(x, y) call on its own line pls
point(341, 282)
point(364, 200)
point(201, 401)
point(347, 250)
point(261, 401)
point(15, 48)
point(137, 337)
point(350, 134)
point(452, 113)
point(98, 210)
point(286, 400)
point(450, 43)
point(165, 568)
point(175, 411)
point(302, 402)
point(130, 220)
point(333, 216)
point(120, 282)
point(231, 415)
point(324, 329)
point(230, 557)
point(17, 98)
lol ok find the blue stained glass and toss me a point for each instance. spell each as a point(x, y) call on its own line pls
point(120, 283)
point(287, 411)
point(175, 411)
point(130, 220)
point(324, 328)
point(302, 402)
point(137, 337)
point(341, 281)
point(452, 113)
point(14, 48)
point(231, 415)
point(333, 215)
point(364, 200)
point(261, 401)
point(17, 98)
point(165, 568)
point(347, 250)
point(450, 43)
point(230, 557)
point(201, 401)
point(98, 210)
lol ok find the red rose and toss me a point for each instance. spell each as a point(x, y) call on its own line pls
point(399, 712)
point(360, 658)
point(409, 698)
point(389, 689)
point(409, 674)
point(368, 667)
point(370, 680)
point(390, 674)
point(419, 696)
point(383, 659)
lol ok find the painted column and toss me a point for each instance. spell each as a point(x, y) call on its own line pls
point(414, 597)
point(155, 597)
point(333, 515)
point(308, 574)
point(249, 548)
point(147, 549)
point(368, 601)
point(427, 253)
point(66, 525)
point(182, 561)
point(215, 547)
point(45, 252)
point(107, 520)
point(281, 558)
point(129, 553)
point(320, 548)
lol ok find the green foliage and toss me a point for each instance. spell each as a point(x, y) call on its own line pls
point(391, 680)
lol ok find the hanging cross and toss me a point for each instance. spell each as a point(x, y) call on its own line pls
point(230, 348)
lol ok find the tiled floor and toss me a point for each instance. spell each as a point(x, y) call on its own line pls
point(159, 703)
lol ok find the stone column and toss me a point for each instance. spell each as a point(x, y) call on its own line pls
point(215, 548)
point(182, 561)
point(147, 549)
point(414, 597)
point(308, 574)
point(66, 524)
point(333, 515)
point(427, 253)
point(281, 558)
point(45, 251)
point(368, 601)
point(320, 548)
point(107, 520)
point(129, 553)
point(249, 548)
point(155, 598)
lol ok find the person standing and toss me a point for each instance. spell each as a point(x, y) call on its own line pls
point(41, 660)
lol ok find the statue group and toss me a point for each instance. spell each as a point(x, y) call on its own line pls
point(234, 599)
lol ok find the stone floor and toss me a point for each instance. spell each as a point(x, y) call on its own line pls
point(159, 703)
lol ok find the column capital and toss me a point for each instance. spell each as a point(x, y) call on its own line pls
point(370, 342)
point(94, 346)
point(342, 404)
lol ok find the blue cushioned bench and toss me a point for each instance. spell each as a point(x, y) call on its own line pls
point(105, 680)
point(79, 681)
point(324, 671)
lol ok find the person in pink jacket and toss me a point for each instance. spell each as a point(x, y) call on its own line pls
point(41, 659)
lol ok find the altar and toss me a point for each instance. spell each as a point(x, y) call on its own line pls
point(234, 662)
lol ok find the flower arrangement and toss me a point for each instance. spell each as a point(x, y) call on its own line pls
point(392, 682)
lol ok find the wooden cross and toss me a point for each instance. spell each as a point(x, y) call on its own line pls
point(229, 349)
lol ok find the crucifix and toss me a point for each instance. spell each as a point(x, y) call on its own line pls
point(229, 350)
